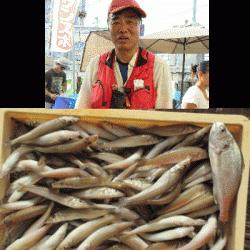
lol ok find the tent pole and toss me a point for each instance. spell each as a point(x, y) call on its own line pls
point(183, 68)
point(73, 52)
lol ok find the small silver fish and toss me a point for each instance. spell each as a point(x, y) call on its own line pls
point(12, 160)
point(54, 138)
point(69, 147)
point(171, 130)
point(226, 163)
point(102, 234)
point(44, 128)
point(162, 185)
point(66, 200)
point(207, 232)
point(131, 141)
point(116, 129)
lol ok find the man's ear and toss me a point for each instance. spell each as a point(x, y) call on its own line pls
point(141, 29)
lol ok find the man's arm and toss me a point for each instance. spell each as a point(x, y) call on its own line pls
point(52, 96)
point(64, 87)
point(162, 78)
point(189, 106)
point(84, 96)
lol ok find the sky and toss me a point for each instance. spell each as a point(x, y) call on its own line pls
point(161, 14)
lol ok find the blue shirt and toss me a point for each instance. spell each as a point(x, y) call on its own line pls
point(124, 70)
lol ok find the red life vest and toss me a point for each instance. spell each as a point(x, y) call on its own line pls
point(143, 98)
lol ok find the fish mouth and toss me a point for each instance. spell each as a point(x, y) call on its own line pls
point(219, 125)
point(216, 125)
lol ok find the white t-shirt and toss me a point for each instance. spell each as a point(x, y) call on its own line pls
point(194, 95)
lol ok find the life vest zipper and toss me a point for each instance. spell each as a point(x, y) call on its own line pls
point(145, 87)
point(104, 103)
point(128, 99)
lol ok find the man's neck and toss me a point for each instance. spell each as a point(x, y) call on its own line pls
point(126, 56)
point(56, 70)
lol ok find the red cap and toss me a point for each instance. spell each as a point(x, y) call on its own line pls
point(117, 5)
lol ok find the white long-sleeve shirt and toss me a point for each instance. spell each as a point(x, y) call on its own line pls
point(162, 81)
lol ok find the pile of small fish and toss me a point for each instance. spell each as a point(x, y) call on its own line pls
point(86, 186)
point(247, 233)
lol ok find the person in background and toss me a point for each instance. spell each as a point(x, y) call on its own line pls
point(128, 76)
point(197, 96)
point(55, 82)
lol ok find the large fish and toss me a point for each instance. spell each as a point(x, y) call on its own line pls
point(226, 163)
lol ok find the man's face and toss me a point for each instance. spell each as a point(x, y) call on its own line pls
point(59, 68)
point(125, 28)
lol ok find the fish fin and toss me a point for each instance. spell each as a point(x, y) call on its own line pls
point(7, 144)
point(41, 165)
point(150, 178)
point(215, 149)
point(1, 174)
point(3, 211)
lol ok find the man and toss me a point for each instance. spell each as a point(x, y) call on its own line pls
point(128, 76)
point(55, 82)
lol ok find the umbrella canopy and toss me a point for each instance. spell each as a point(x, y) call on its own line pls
point(184, 39)
point(97, 43)
point(195, 40)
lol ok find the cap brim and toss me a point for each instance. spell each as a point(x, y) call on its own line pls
point(142, 12)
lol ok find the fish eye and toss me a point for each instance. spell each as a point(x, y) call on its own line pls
point(222, 129)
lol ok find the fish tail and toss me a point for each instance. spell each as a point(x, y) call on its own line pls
point(3, 173)
point(21, 187)
point(150, 178)
point(224, 216)
point(113, 211)
point(7, 144)
point(41, 162)
point(38, 173)
point(140, 162)
point(3, 211)
point(123, 202)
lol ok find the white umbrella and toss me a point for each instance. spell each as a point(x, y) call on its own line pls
point(185, 39)
point(191, 39)
point(97, 43)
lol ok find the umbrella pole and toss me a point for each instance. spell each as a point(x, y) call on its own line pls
point(183, 68)
point(73, 51)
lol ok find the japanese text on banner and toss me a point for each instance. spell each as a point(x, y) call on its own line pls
point(63, 21)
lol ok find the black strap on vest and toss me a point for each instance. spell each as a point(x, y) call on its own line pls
point(140, 62)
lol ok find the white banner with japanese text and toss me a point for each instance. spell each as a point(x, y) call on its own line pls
point(64, 13)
